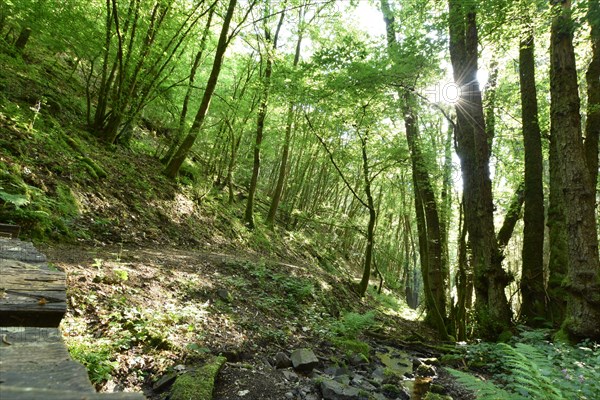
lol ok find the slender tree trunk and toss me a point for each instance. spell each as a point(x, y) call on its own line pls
point(492, 309)
point(533, 293)
point(286, 144)
point(583, 276)
point(173, 166)
point(364, 282)
point(188, 94)
point(428, 225)
point(260, 121)
point(510, 219)
point(430, 239)
point(464, 282)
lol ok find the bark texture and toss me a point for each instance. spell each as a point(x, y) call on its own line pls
point(492, 310)
point(533, 292)
point(583, 276)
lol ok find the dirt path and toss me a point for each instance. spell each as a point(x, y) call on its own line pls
point(146, 312)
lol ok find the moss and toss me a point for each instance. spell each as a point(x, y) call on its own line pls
point(96, 171)
point(197, 385)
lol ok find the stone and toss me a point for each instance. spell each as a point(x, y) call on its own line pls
point(378, 374)
point(282, 360)
point(164, 382)
point(289, 395)
point(224, 295)
point(304, 360)
point(425, 370)
point(332, 390)
point(343, 379)
point(290, 376)
point(357, 359)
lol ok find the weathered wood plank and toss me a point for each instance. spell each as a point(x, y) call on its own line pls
point(28, 393)
point(11, 231)
point(31, 295)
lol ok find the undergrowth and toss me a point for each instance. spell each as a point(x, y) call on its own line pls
point(533, 367)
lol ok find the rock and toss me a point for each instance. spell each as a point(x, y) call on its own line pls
point(337, 371)
point(378, 374)
point(290, 376)
point(242, 393)
point(289, 395)
point(357, 359)
point(164, 382)
point(198, 384)
point(431, 361)
point(343, 379)
point(224, 295)
point(332, 390)
point(304, 360)
point(282, 360)
point(425, 370)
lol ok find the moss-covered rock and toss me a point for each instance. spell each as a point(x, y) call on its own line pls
point(199, 384)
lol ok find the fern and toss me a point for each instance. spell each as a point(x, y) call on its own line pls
point(534, 368)
point(530, 370)
point(485, 390)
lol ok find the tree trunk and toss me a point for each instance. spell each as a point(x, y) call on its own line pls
point(260, 120)
point(492, 310)
point(173, 166)
point(430, 239)
point(188, 94)
point(583, 276)
point(364, 282)
point(533, 294)
point(22, 39)
point(286, 145)
point(510, 219)
point(592, 77)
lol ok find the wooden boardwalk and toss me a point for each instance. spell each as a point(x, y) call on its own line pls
point(34, 361)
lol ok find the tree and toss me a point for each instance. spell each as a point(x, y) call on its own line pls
point(592, 77)
point(182, 152)
point(428, 221)
point(491, 306)
point(188, 94)
point(267, 57)
point(583, 275)
point(533, 305)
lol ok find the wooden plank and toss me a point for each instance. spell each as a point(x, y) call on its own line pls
point(11, 231)
point(28, 393)
point(31, 295)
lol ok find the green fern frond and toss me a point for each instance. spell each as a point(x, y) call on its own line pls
point(526, 363)
point(484, 390)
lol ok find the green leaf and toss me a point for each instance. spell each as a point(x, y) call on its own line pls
point(18, 200)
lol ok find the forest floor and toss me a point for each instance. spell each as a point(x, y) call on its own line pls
point(140, 314)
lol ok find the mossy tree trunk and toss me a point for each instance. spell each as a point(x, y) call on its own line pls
point(583, 275)
point(592, 76)
point(492, 309)
point(532, 286)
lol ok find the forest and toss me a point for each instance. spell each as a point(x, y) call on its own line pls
point(316, 161)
